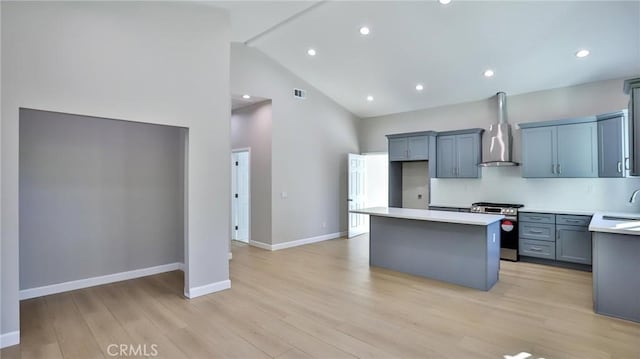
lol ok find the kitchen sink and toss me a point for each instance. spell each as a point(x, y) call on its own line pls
point(616, 218)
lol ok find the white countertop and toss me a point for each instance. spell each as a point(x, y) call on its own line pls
point(578, 212)
point(621, 226)
point(477, 219)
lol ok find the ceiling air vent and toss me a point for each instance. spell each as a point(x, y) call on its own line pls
point(299, 93)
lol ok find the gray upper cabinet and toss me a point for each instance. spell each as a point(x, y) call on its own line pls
point(446, 158)
point(409, 148)
point(398, 149)
point(578, 150)
point(459, 154)
point(418, 147)
point(539, 152)
point(611, 147)
point(569, 150)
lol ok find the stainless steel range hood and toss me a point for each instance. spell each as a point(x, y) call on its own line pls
point(496, 150)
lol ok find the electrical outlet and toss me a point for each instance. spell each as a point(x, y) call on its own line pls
point(324, 224)
point(494, 238)
point(284, 195)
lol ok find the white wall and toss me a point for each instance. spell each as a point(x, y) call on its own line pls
point(251, 127)
point(153, 62)
point(505, 184)
point(311, 139)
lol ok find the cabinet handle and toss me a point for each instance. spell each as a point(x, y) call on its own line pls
point(619, 167)
point(573, 220)
point(536, 249)
point(535, 218)
point(553, 169)
point(559, 169)
point(626, 164)
point(534, 231)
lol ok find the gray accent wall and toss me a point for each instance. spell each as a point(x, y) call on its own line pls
point(163, 63)
point(310, 142)
point(251, 128)
point(97, 197)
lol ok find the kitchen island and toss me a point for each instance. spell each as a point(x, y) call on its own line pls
point(454, 247)
point(616, 265)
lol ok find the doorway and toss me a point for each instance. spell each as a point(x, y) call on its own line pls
point(368, 187)
point(240, 190)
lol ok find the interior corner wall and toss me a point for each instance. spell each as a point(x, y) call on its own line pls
point(153, 62)
point(251, 128)
point(97, 197)
point(310, 142)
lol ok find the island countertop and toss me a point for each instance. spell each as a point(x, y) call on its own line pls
point(477, 219)
point(616, 223)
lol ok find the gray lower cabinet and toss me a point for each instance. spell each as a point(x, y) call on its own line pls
point(611, 147)
point(557, 237)
point(569, 150)
point(459, 154)
point(573, 244)
point(409, 148)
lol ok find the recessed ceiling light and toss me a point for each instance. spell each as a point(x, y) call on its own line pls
point(444, 2)
point(364, 30)
point(369, 98)
point(311, 52)
point(582, 53)
point(419, 87)
point(489, 73)
point(246, 97)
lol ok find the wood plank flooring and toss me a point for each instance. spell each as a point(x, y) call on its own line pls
point(324, 301)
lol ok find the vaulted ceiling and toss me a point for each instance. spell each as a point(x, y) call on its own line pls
point(530, 46)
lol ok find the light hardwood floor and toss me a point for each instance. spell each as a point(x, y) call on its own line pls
point(324, 301)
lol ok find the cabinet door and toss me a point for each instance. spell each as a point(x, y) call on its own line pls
point(398, 149)
point(418, 147)
point(573, 244)
point(446, 156)
point(539, 152)
point(610, 147)
point(468, 156)
point(578, 150)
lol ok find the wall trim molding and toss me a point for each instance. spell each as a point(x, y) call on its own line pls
point(100, 280)
point(9, 339)
point(260, 245)
point(299, 242)
point(207, 289)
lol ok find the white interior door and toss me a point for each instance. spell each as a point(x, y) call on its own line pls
point(356, 194)
point(240, 192)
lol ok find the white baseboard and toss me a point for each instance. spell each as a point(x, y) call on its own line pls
point(91, 282)
point(260, 245)
point(207, 289)
point(299, 242)
point(9, 339)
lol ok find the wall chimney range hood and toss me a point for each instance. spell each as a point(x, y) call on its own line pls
point(496, 150)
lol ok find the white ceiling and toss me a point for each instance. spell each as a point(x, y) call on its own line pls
point(237, 101)
point(252, 18)
point(529, 44)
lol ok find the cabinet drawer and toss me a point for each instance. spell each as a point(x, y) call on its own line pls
point(538, 217)
point(573, 220)
point(539, 231)
point(540, 249)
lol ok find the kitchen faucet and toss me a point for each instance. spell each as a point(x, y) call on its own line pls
point(633, 196)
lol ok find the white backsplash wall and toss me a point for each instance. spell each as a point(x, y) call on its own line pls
point(504, 184)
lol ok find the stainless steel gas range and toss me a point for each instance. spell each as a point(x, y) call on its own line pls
point(508, 226)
